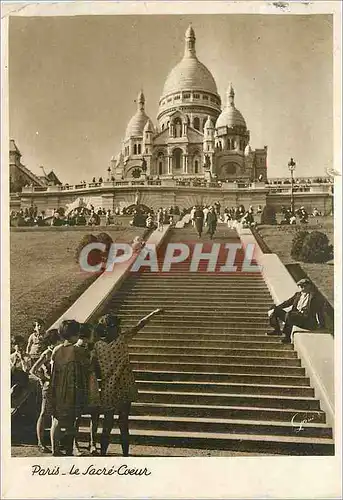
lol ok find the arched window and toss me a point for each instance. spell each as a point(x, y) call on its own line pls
point(196, 123)
point(196, 166)
point(135, 149)
point(177, 158)
point(139, 149)
point(177, 127)
point(162, 126)
point(160, 167)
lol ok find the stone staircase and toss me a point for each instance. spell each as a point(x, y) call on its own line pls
point(207, 374)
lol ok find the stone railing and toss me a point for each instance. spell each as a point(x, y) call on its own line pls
point(186, 183)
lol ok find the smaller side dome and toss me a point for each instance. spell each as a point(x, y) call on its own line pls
point(136, 124)
point(209, 123)
point(230, 116)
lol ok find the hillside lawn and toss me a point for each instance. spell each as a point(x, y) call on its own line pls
point(45, 278)
point(279, 240)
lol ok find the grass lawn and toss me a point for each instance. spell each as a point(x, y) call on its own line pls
point(279, 240)
point(45, 279)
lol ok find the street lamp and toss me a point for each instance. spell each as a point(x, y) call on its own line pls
point(291, 166)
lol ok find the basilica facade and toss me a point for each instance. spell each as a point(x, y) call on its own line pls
point(195, 136)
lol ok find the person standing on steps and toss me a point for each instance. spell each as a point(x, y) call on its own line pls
point(42, 371)
point(69, 387)
point(159, 219)
point(118, 386)
point(199, 220)
point(212, 222)
point(192, 215)
point(306, 311)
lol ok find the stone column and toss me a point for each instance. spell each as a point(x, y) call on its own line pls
point(185, 164)
point(170, 165)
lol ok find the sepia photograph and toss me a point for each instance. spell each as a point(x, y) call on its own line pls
point(173, 270)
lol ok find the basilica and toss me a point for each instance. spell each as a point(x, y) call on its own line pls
point(195, 135)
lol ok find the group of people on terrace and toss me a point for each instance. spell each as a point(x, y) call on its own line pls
point(79, 369)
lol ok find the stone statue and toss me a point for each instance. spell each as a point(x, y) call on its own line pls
point(207, 162)
point(137, 197)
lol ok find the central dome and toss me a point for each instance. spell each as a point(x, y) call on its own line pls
point(189, 73)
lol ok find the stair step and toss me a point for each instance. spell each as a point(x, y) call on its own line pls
point(277, 362)
point(246, 401)
point(226, 426)
point(239, 300)
point(225, 388)
point(172, 409)
point(279, 445)
point(189, 336)
point(145, 340)
point(216, 367)
point(196, 329)
point(139, 347)
point(196, 287)
point(235, 278)
point(191, 321)
point(184, 376)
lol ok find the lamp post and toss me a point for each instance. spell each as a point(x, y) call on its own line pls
point(291, 166)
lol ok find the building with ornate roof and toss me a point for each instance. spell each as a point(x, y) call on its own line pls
point(195, 136)
point(20, 176)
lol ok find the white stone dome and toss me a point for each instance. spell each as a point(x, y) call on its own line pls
point(189, 73)
point(136, 125)
point(230, 116)
point(208, 123)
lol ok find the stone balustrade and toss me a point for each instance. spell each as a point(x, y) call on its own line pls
point(184, 183)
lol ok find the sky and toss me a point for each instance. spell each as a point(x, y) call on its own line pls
point(73, 82)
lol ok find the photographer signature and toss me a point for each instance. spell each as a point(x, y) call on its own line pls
point(300, 425)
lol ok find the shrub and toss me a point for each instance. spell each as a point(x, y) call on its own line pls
point(95, 256)
point(297, 244)
point(106, 239)
point(316, 248)
point(268, 215)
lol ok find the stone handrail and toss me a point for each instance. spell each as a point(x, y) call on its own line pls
point(272, 188)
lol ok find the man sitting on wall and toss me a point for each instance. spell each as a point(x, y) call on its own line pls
point(306, 311)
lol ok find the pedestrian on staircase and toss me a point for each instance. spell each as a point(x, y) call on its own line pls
point(159, 219)
point(118, 386)
point(69, 387)
point(212, 220)
point(199, 220)
point(192, 215)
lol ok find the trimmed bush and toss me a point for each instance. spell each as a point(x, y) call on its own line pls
point(268, 216)
point(107, 240)
point(95, 256)
point(297, 244)
point(316, 248)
